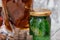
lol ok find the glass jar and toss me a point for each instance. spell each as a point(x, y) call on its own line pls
point(40, 23)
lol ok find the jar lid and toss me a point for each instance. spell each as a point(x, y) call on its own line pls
point(41, 12)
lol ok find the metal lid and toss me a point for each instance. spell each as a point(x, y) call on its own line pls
point(41, 12)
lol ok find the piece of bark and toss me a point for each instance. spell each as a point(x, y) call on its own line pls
point(16, 14)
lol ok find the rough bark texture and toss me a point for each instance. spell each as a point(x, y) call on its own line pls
point(17, 12)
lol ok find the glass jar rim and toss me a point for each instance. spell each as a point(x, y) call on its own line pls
point(42, 12)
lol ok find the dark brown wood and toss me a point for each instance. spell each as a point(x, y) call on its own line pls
point(1, 19)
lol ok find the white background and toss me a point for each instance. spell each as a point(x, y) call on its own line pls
point(0, 3)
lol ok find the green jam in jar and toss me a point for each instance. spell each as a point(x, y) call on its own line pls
point(40, 27)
